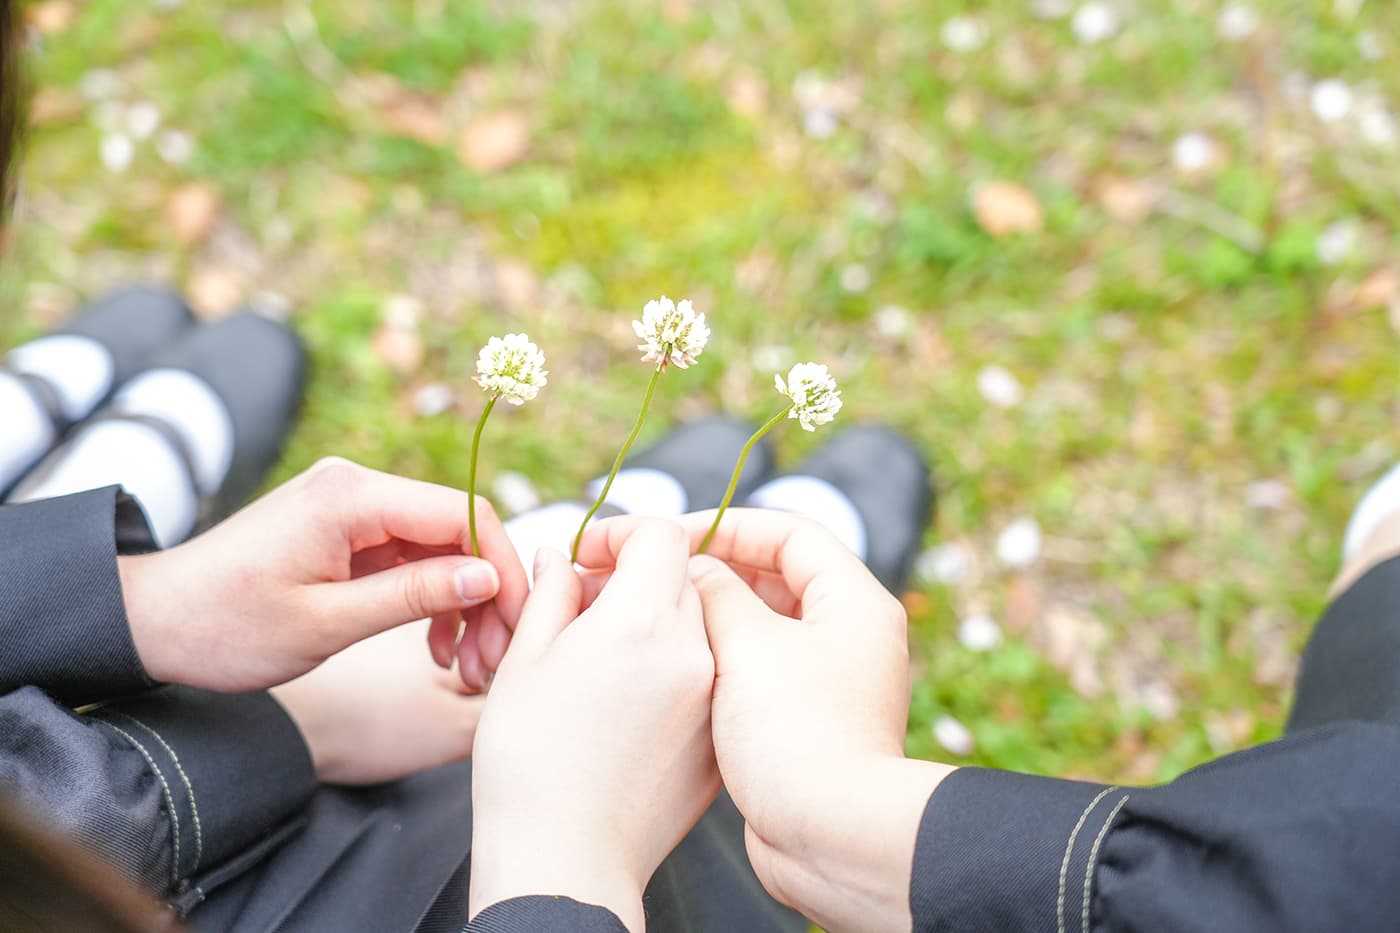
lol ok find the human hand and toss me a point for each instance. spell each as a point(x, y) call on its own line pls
point(381, 710)
point(327, 559)
point(593, 758)
point(811, 700)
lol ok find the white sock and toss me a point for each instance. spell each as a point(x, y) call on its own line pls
point(644, 491)
point(79, 369)
point(138, 458)
point(552, 526)
point(818, 500)
point(186, 403)
point(27, 432)
point(1380, 501)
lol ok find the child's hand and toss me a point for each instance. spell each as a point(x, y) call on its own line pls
point(594, 758)
point(381, 710)
point(329, 558)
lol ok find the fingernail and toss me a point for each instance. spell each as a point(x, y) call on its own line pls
point(702, 565)
point(545, 557)
point(476, 582)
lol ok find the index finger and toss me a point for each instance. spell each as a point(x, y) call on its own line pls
point(648, 555)
point(816, 567)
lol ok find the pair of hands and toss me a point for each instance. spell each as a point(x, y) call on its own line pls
point(780, 654)
point(779, 661)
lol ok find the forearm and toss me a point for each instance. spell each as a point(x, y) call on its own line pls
point(848, 868)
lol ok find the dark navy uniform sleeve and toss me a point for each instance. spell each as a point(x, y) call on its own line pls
point(1297, 835)
point(544, 914)
point(179, 788)
point(63, 624)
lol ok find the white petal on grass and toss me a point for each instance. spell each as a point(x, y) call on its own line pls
point(1051, 9)
point(117, 151)
point(98, 84)
point(515, 493)
point(819, 123)
point(1237, 22)
point(1018, 546)
point(979, 632)
point(946, 564)
point(893, 322)
point(1337, 242)
point(1331, 100)
point(999, 387)
point(964, 34)
point(953, 735)
point(812, 390)
point(671, 333)
point(142, 119)
point(769, 357)
point(1267, 495)
point(1377, 124)
point(511, 368)
point(175, 147)
point(1094, 23)
point(855, 278)
point(432, 400)
point(1192, 152)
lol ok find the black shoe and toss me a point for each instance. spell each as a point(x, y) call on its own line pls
point(885, 477)
point(131, 324)
point(701, 456)
point(257, 367)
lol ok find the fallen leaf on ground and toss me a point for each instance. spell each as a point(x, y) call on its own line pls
point(1125, 199)
point(214, 291)
point(494, 141)
point(398, 348)
point(414, 117)
point(1005, 208)
point(51, 16)
point(53, 105)
point(1378, 290)
point(192, 210)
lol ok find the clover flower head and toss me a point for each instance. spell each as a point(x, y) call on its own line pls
point(671, 333)
point(512, 368)
point(813, 393)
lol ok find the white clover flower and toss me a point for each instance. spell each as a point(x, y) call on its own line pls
point(512, 368)
point(812, 390)
point(671, 333)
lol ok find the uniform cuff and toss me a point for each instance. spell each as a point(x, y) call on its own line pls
point(232, 767)
point(63, 624)
point(542, 914)
point(998, 850)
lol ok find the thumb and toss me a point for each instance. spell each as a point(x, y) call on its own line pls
point(730, 605)
point(551, 606)
point(415, 590)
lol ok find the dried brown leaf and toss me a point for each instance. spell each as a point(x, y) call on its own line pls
point(192, 210)
point(494, 141)
point(415, 117)
point(1005, 208)
point(51, 16)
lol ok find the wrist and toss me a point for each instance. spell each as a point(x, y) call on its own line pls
point(148, 611)
point(848, 865)
point(515, 862)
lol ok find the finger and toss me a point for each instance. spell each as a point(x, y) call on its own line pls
point(492, 640)
point(648, 557)
point(552, 605)
point(817, 568)
point(469, 667)
point(729, 605)
point(373, 508)
point(415, 590)
point(442, 637)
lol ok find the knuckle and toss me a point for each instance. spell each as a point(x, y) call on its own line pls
point(485, 511)
point(333, 476)
point(417, 594)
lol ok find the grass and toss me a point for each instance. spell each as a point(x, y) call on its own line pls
point(1172, 355)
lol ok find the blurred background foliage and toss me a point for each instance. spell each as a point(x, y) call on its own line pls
point(1126, 271)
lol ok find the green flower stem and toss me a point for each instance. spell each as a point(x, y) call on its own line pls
point(471, 477)
point(738, 471)
point(617, 464)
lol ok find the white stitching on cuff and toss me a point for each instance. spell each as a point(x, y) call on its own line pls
point(1094, 857)
point(169, 797)
point(194, 807)
point(1069, 851)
